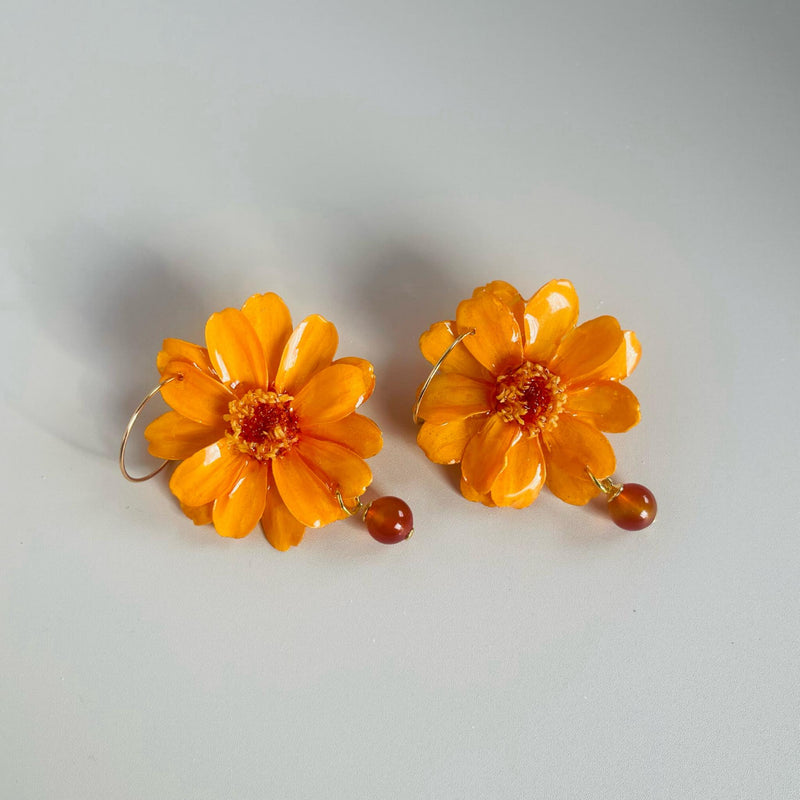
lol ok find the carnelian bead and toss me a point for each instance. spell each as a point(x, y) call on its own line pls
point(389, 520)
point(634, 508)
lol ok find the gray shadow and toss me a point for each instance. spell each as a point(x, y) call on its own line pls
point(106, 304)
point(604, 530)
point(405, 288)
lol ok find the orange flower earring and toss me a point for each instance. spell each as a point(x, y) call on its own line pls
point(264, 427)
point(519, 397)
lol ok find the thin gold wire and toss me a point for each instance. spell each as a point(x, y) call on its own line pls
point(460, 338)
point(131, 422)
point(605, 485)
point(351, 512)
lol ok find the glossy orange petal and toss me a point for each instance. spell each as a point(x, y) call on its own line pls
point(608, 405)
point(237, 511)
point(508, 295)
point(453, 396)
point(272, 322)
point(549, 315)
point(486, 453)
point(280, 527)
point(476, 497)
point(523, 476)
point(184, 351)
point(621, 364)
point(200, 515)
point(207, 474)
point(569, 449)
point(356, 432)
point(234, 349)
point(444, 444)
point(497, 342)
point(338, 466)
point(585, 348)
point(306, 495)
point(437, 339)
point(310, 348)
point(174, 437)
point(365, 367)
point(195, 394)
point(331, 394)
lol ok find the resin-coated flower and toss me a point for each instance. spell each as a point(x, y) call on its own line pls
point(264, 423)
point(522, 402)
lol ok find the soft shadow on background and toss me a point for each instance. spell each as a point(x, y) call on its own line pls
point(104, 308)
point(404, 289)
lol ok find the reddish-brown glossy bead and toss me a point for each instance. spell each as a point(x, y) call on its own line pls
point(633, 508)
point(389, 520)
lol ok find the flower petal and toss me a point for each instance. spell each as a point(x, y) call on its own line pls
point(437, 339)
point(497, 343)
point(272, 322)
point(476, 497)
point(184, 351)
point(366, 367)
point(521, 480)
point(195, 395)
point(355, 431)
point(585, 348)
point(338, 466)
point(444, 444)
point(509, 296)
point(569, 449)
point(207, 474)
point(280, 527)
point(237, 511)
point(310, 348)
point(306, 496)
point(549, 315)
point(608, 405)
point(621, 364)
point(172, 436)
point(234, 349)
point(485, 454)
point(454, 396)
point(331, 394)
point(200, 515)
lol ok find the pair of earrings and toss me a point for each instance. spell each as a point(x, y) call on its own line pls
point(265, 428)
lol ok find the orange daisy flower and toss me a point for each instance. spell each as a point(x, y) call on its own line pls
point(522, 402)
point(263, 423)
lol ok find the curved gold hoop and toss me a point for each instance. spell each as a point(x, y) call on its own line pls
point(131, 422)
point(460, 338)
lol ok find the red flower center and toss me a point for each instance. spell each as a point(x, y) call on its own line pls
point(262, 424)
point(530, 396)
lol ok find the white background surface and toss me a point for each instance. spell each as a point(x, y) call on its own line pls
point(373, 162)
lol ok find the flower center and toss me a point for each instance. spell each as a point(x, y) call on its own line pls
point(262, 424)
point(531, 396)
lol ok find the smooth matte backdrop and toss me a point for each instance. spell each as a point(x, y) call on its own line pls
point(373, 162)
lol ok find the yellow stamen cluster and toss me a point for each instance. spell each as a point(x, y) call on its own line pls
point(531, 396)
point(262, 424)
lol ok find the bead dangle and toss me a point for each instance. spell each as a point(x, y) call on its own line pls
point(388, 519)
point(520, 396)
point(630, 505)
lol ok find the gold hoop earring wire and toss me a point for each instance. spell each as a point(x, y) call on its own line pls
point(457, 341)
point(131, 422)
